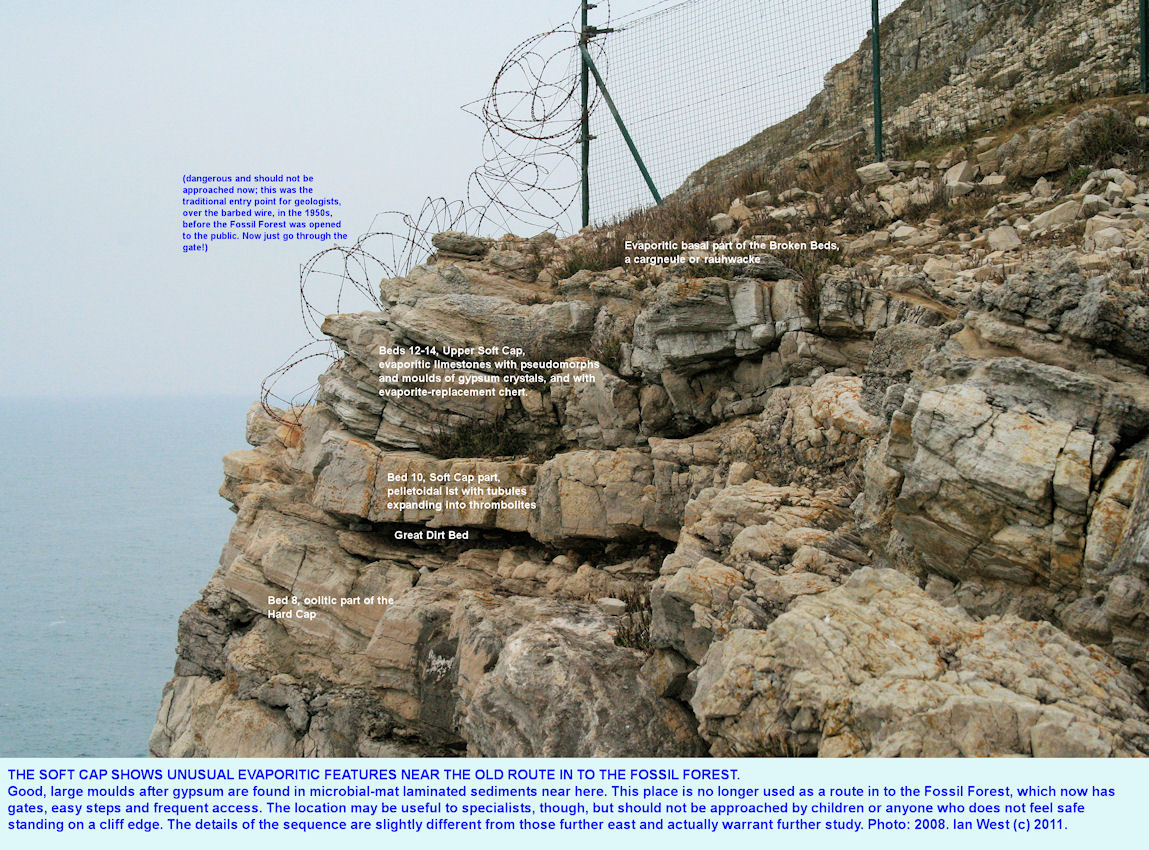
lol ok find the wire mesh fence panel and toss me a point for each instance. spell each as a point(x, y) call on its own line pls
point(954, 67)
point(693, 80)
point(711, 80)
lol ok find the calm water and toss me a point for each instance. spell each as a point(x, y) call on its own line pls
point(109, 526)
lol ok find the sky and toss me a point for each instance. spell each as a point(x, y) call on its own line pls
point(106, 105)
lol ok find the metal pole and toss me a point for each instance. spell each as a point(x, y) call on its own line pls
point(1144, 46)
point(584, 86)
point(622, 127)
point(877, 63)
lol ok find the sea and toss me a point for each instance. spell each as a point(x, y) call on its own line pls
point(110, 524)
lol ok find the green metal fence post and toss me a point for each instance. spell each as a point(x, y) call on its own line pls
point(584, 87)
point(621, 126)
point(875, 40)
point(1144, 46)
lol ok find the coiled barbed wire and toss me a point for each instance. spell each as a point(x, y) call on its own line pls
point(528, 178)
point(357, 269)
point(532, 128)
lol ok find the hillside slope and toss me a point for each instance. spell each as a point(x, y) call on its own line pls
point(951, 66)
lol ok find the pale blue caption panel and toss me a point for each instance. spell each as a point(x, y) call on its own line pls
point(129, 803)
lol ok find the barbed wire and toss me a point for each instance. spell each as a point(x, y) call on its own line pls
point(532, 126)
point(358, 268)
point(694, 80)
point(528, 177)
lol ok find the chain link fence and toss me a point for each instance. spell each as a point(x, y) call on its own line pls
point(712, 89)
point(701, 79)
point(698, 78)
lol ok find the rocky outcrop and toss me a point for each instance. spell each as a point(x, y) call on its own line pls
point(559, 686)
point(890, 499)
point(876, 667)
point(950, 67)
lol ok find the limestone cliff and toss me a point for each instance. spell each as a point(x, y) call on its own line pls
point(889, 497)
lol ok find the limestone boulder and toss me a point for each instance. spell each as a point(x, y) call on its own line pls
point(684, 325)
point(450, 275)
point(461, 321)
point(464, 244)
point(360, 480)
point(597, 408)
point(558, 686)
point(607, 494)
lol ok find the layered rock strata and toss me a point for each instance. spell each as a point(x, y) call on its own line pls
point(897, 507)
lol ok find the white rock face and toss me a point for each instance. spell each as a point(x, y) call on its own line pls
point(1003, 238)
point(723, 223)
point(1065, 213)
point(877, 172)
point(562, 687)
point(962, 172)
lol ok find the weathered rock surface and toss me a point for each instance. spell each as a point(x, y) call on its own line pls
point(561, 687)
point(876, 667)
point(898, 505)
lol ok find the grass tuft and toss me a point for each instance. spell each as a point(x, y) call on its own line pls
point(634, 632)
point(480, 439)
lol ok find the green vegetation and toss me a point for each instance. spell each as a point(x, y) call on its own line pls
point(1065, 58)
point(1074, 177)
point(480, 439)
point(605, 251)
point(1117, 138)
point(687, 217)
point(609, 352)
point(634, 631)
point(810, 265)
point(831, 178)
